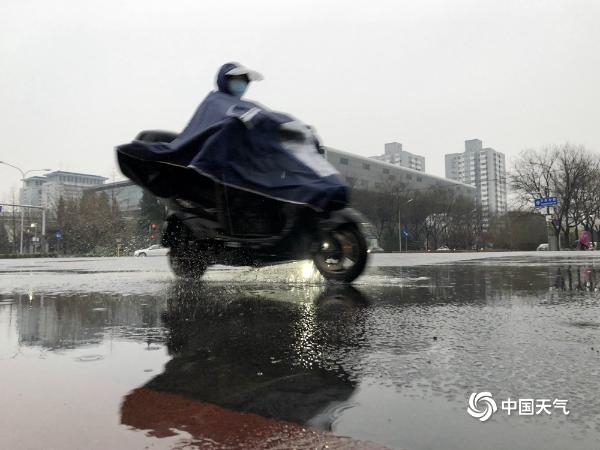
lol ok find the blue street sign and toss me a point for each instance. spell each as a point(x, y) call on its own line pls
point(58, 235)
point(545, 201)
point(405, 232)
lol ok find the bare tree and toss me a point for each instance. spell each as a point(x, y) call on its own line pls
point(567, 172)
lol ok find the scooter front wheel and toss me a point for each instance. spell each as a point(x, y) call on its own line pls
point(343, 255)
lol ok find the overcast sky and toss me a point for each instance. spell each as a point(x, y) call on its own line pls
point(79, 77)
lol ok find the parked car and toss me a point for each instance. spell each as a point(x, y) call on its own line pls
point(153, 250)
point(543, 248)
point(443, 248)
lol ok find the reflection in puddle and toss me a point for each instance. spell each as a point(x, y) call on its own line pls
point(248, 354)
point(579, 278)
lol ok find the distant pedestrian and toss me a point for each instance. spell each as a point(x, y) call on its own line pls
point(584, 243)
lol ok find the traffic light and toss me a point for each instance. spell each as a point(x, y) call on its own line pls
point(152, 229)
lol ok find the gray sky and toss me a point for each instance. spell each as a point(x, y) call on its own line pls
point(79, 77)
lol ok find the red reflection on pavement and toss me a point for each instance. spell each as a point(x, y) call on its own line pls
point(161, 414)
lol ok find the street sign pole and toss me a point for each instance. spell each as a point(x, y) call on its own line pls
point(547, 202)
point(399, 229)
point(22, 225)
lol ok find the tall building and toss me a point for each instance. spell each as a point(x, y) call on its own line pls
point(47, 190)
point(484, 169)
point(395, 155)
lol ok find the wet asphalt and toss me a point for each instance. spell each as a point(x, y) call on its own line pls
point(117, 353)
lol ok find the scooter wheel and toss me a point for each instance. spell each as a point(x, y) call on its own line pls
point(186, 260)
point(343, 256)
point(187, 266)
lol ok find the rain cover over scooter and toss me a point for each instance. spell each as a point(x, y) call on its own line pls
point(243, 145)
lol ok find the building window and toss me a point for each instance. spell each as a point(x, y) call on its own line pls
point(386, 171)
point(393, 177)
point(366, 166)
point(344, 161)
point(419, 179)
point(408, 176)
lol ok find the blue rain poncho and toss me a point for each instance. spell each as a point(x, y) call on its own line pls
point(241, 144)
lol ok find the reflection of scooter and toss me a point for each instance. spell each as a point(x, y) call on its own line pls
point(213, 222)
point(249, 355)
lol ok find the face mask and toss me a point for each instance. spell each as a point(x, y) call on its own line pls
point(237, 87)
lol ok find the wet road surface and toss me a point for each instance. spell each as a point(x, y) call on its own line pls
point(116, 353)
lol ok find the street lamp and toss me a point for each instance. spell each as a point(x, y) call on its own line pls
point(400, 224)
point(23, 173)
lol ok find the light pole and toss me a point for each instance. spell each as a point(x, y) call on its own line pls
point(23, 173)
point(400, 224)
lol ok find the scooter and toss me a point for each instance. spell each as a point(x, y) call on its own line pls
point(209, 222)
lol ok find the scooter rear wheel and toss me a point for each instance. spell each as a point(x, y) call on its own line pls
point(185, 257)
point(186, 264)
point(343, 256)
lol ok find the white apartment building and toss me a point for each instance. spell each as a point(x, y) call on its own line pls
point(47, 190)
point(395, 155)
point(484, 169)
point(31, 191)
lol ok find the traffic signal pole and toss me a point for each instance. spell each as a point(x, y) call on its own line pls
point(43, 237)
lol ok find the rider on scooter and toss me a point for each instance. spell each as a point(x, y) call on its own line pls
point(232, 82)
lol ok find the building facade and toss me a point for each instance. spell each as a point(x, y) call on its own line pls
point(485, 170)
point(375, 175)
point(127, 194)
point(31, 191)
point(395, 155)
point(48, 189)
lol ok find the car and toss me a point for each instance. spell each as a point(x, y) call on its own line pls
point(443, 248)
point(543, 248)
point(376, 250)
point(153, 250)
